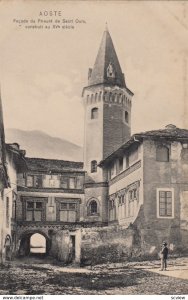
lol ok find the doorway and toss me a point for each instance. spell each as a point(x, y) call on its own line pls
point(72, 249)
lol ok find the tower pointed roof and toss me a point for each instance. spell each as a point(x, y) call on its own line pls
point(107, 68)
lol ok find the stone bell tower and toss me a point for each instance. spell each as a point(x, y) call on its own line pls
point(107, 103)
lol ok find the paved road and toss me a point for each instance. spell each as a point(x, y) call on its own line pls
point(31, 277)
point(177, 268)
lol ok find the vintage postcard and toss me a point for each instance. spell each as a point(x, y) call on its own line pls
point(93, 148)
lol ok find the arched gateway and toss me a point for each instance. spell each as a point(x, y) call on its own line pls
point(26, 245)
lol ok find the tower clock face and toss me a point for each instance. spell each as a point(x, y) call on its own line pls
point(110, 71)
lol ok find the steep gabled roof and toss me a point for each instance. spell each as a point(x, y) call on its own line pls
point(106, 56)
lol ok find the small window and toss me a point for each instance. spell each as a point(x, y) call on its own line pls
point(34, 181)
point(133, 195)
point(64, 206)
point(93, 166)
point(30, 180)
point(165, 203)
point(94, 113)
point(120, 164)
point(127, 161)
point(72, 182)
point(79, 183)
point(38, 181)
point(64, 182)
point(126, 117)
point(30, 205)
point(162, 154)
point(93, 208)
point(72, 206)
point(38, 205)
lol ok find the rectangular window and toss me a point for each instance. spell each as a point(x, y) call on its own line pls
point(64, 182)
point(38, 205)
point(64, 206)
point(34, 210)
point(30, 180)
point(79, 183)
point(165, 203)
point(34, 181)
point(111, 171)
point(112, 210)
point(133, 194)
point(38, 181)
point(72, 182)
point(121, 164)
point(68, 212)
point(30, 205)
point(162, 153)
point(127, 161)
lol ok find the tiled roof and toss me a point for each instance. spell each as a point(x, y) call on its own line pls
point(52, 165)
point(170, 132)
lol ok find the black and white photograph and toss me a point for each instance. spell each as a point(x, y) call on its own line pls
point(93, 148)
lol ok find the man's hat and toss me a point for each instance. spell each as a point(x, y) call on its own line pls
point(164, 243)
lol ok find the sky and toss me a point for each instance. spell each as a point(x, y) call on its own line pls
point(43, 71)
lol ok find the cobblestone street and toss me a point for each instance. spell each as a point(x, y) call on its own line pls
point(45, 277)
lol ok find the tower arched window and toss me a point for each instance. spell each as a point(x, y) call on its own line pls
point(93, 166)
point(94, 113)
point(126, 117)
point(93, 208)
point(162, 153)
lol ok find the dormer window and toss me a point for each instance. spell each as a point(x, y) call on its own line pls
point(110, 71)
point(94, 113)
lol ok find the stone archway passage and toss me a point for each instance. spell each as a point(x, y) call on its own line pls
point(37, 244)
point(34, 243)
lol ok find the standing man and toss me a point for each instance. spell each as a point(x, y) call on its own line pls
point(164, 256)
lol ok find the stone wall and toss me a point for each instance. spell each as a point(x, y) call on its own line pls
point(109, 244)
point(96, 245)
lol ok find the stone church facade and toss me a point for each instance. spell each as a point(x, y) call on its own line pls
point(129, 194)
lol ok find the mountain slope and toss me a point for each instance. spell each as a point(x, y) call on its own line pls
point(39, 144)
